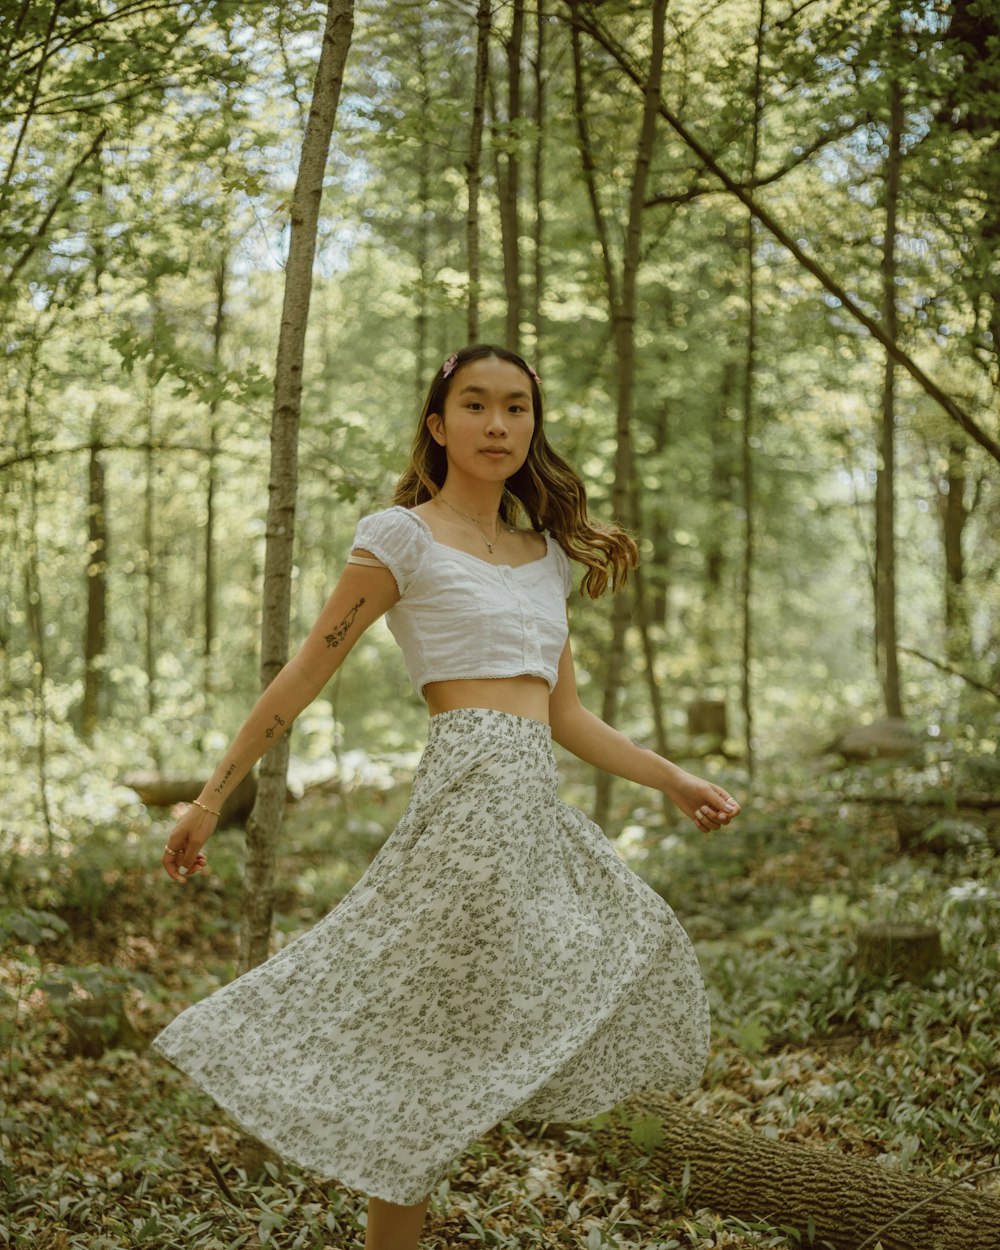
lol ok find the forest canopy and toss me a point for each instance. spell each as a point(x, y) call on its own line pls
point(812, 475)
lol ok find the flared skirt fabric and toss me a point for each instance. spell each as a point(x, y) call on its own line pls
point(497, 960)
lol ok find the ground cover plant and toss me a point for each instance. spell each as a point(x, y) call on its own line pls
point(110, 1147)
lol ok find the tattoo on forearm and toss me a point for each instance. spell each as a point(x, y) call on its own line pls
point(222, 784)
point(340, 633)
point(269, 732)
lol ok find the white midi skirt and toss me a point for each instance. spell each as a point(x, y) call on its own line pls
point(497, 960)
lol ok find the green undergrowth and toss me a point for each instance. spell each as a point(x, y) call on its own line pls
point(119, 1150)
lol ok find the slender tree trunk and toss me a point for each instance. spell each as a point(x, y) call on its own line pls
point(211, 486)
point(473, 167)
point(422, 351)
point(509, 185)
point(656, 518)
point(885, 505)
point(149, 548)
point(953, 517)
point(538, 161)
point(11, 530)
point(643, 625)
point(265, 821)
point(95, 631)
point(749, 395)
point(622, 302)
point(35, 605)
point(719, 491)
point(95, 628)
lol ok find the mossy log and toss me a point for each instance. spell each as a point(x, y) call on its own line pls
point(908, 951)
point(844, 1200)
point(891, 738)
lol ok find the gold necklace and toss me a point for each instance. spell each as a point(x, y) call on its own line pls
point(489, 545)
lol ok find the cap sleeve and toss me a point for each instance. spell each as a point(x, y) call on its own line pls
point(397, 538)
point(562, 560)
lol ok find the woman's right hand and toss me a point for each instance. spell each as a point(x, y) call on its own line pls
point(182, 857)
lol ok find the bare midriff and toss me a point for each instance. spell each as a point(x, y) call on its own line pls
point(520, 696)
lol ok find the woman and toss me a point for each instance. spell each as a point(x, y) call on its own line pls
point(497, 959)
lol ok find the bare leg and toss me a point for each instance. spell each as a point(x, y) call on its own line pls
point(394, 1227)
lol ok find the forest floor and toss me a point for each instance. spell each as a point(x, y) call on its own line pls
point(118, 1149)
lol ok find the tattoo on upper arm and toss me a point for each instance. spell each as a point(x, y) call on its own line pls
point(340, 633)
point(269, 732)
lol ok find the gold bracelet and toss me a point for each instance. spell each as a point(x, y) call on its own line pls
point(204, 808)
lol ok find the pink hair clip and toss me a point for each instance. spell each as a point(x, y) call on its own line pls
point(538, 380)
point(449, 365)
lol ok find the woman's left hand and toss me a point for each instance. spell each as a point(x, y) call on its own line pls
point(707, 804)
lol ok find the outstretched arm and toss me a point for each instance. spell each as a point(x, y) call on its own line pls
point(595, 742)
point(360, 597)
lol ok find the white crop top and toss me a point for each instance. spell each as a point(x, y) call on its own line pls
point(458, 616)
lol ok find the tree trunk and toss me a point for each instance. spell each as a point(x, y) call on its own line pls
point(719, 491)
point(95, 629)
point(656, 519)
point(642, 622)
point(622, 304)
point(148, 552)
point(35, 606)
point(473, 168)
point(885, 491)
point(211, 485)
point(95, 632)
point(538, 158)
point(749, 395)
point(423, 321)
point(848, 1203)
point(509, 187)
point(954, 514)
point(265, 821)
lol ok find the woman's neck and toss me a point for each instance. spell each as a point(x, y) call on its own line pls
point(479, 499)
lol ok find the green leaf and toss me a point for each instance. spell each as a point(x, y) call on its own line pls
point(647, 1133)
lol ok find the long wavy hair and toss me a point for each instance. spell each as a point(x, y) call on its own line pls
point(546, 487)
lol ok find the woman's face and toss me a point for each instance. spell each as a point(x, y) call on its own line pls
point(488, 420)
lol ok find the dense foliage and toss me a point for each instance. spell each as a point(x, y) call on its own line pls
point(144, 198)
point(119, 1150)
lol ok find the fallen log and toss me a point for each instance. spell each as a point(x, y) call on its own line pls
point(890, 738)
point(164, 790)
point(844, 1201)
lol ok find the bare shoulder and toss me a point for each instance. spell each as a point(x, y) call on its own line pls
point(532, 543)
point(425, 510)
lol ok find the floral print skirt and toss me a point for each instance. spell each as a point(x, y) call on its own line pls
point(497, 960)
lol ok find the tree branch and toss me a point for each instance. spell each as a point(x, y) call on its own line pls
point(751, 184)
point(950, 406)
point(947, 668)
point(57, 199)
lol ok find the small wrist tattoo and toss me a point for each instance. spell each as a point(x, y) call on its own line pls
point(340, 633)
point(222, 784)
point(269, 732)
